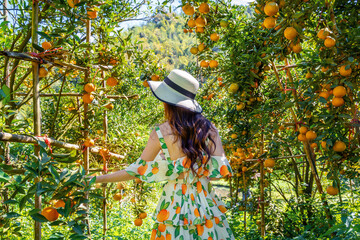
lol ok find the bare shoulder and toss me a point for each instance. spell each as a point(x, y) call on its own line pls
point(165, 129)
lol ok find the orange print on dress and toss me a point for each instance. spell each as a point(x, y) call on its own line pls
point(198, 187)
point(155, 170)
point(196, 212)
point(217, 220)
point(168, 236)
point(224, 170)
point(163, 215)
point(142, 169)
point(192, 197)
point(208, 224)
point(222, 208)
point(162, 227)
point(178, 209)
point(153, 234)
point(200, 229)
point(186, 162)
point(183, 188)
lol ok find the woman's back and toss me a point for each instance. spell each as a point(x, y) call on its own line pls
point(188, 207)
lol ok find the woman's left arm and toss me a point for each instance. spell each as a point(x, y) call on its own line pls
point(151, 150)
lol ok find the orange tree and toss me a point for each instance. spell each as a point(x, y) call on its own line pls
point(57, 175)
point(282, 81)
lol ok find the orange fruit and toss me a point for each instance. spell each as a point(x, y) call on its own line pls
point(233, 136)
point(199, 29)
point(194, 50)
point(302, 137)
point(224, 23)
point(271, 9)
point(117, 196)
point(185, 31)
point(138, 222)
point(244, 169)
point(233, 88)
point(88, 98)
point(303, 130)
point(92, 13)
point(311, 135)
point(89, 142)
point(213, 63)
point(50, 213)
point(201, 47)
point(142, 215)
point(163, 215)
point(323, 33)
point(339, 146)
point(337, 102)
point(309, 75)
point(290, 33)
point(269, 22)
point(332, 190)
point(188, 9)
point(345, 72)
point(214, 37)
point(120, 186)
point(145, 83)
point(162, 227)
point(270, 163)
point(339, 91)
point(142, 169)
point(324, 69)
point(59, 204)
point(204, 8)
point(323, 144)
point(313, 145)
point(191, 23)
point(297, 48)
point(42, 72)
point(111, 82)
point(89, 87)
point(200, 22)
point(46, 45)
point(324, 94)
point(204, 64)
point(329, 42)
point(155, 77)
point(217, 220)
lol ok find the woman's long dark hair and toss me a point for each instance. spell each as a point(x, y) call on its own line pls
point(193, 129)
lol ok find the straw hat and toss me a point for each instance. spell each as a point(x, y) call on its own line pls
point(178, 88)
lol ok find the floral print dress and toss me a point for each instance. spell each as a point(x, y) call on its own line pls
point(188, 208)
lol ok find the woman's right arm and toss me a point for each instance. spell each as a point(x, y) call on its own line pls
point(218, 148)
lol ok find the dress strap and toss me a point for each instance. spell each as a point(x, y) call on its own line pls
point(162, 143)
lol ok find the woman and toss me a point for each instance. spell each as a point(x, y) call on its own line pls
point(188, 208)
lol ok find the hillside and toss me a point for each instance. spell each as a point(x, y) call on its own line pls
point(164, 34)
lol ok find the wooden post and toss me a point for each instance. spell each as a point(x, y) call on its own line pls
point(86, 128)
point(262, 203)
point(36, 106)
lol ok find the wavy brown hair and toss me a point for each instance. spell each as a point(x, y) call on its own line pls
point(192, 129)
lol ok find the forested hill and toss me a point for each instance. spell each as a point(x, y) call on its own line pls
point(165, 35)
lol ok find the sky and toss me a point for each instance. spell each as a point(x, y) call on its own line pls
point(130, 24)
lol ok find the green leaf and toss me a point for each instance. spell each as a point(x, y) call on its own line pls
point(37, 47)
point(11, 215)
point(38, 217)
point(44, 35)
point(4, 177)
point(94, 195)
point(215, 163)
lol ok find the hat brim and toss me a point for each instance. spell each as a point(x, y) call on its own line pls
point(168, 95)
